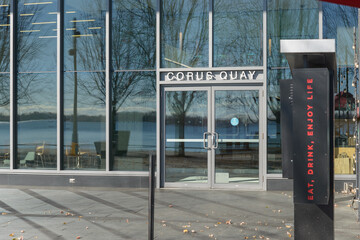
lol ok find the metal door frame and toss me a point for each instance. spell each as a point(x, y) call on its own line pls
point(210, 89)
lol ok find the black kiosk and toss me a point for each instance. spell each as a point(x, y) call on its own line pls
point(307, 124)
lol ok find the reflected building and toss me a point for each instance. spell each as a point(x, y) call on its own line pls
point(92, 88)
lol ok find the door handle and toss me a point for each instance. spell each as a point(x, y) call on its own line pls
point(215, 138)
point(205, 137)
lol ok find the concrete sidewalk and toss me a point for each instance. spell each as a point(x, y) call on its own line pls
point(84, 213)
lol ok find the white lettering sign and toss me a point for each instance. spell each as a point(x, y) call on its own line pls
point(212, 75)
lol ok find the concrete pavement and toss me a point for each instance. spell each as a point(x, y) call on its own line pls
point(100, 213)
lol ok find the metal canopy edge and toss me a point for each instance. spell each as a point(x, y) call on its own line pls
point(309, 53)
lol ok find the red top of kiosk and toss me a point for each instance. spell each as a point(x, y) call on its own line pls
point(352, 3)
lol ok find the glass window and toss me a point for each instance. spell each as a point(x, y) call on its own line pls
point(286, 19)
point(4, 84)
point(36, 121)
point(238, 33)
point(4, 121)
point(134, 112)
point(85, 35)
point(4, 36)
point(37, 33)
point(340, 23)
point(84, 127)
point(133, 35)
point(184, 33)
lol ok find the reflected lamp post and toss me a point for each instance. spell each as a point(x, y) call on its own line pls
point(72, 52)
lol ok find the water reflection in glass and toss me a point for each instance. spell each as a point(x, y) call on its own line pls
point(37, 33)
point(84, 127)
point(237, 126)
point(286, 19)
point(85, 35)
point(134, 112)
point(184, 33)
point(37, 121)
point(186, 122)
point(238, 33)
point(133, 35)
point(4, 121)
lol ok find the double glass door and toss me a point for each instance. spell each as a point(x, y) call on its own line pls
point(211, 137)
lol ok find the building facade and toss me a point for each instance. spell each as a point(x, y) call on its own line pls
point(90, 89)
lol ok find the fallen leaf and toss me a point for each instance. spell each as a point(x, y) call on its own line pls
point(185, 231)
point(11, 234)
point(170, 206)
point(289, 234)
point(211, 235)
point(4, 213)
point(22, 231)
point(78, 237)
point(228, 222)
point(193, 231)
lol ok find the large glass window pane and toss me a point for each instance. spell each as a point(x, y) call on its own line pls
point(36, 121)
point(4, 37)
point(133, 35)
point(37, 32)
point(84, 127)
point(238, 33)
point(184, 33)
point(85, 35)
point(340, 23)
point(134, 113)
point(286, 19)
point(4, 121)
point(4, 84)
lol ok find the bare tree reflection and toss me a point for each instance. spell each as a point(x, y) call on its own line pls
point(238, 33)
point(184, 35)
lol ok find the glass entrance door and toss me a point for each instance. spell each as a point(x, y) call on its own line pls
point(211, 137)
point(186, 136)
point(235, 115)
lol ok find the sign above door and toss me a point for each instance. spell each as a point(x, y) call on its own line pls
point(206, 76)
